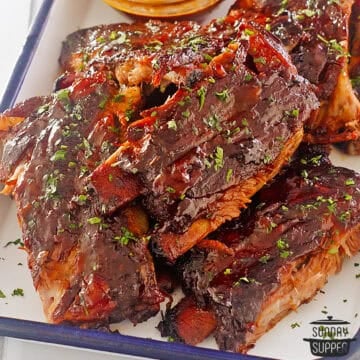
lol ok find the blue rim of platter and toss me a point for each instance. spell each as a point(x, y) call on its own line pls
point(95, 339)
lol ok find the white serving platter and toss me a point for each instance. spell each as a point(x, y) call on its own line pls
point(39, 68)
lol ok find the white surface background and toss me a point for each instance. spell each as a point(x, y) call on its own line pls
point(15, 19)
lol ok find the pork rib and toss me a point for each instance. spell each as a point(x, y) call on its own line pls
point(316, 35)
point(277, 255)
point(200, 157)
point(87, 268)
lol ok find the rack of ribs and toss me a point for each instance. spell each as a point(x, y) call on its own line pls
point(198, 158)
point(255, 269)
point(88, 269)
point(316, 34)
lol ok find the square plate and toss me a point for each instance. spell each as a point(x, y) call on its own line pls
point(22, 317)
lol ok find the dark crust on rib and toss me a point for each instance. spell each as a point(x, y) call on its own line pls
point(259, 122)
point(311, 209)
point(62, 141)
point(316, 35)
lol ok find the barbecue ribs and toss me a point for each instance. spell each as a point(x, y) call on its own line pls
point(316, 34)
point(276, 256)
point(87, 268)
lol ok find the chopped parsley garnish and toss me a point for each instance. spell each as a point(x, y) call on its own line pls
point(118, 98)
point(94, 220)
point(349, 182)
point(59, 155)
point(17, 242)
point(219, 158)
point(63, 95)
point(333, 250)
point(186, 113)
point(182, 197)
point(347, 197)
point(43, 109)
point(17, 292)
point(229, 175)
point(172, 125)
point(223, 95)
point(201, 93)
point(213, 122)
point(271, 227)
point(2, 295)
point(103, 102)
point(170, 190)
point(267, 159)
point(248, 77)
point(126, 236)
point(295, 325)
point(264, 259)
point(248, 32)
point(129, 113)
point(227, 271)
point(333, 45)
point(260, 60)
point(283, 247)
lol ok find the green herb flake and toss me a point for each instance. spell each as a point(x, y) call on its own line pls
point(211, 80)
point(172, 125)
point(2, 295)
point(264, 259)
point(103, 102)
point(186, 113)
point(223, 95)
point(213, 122)
point(227, 271)
point(333, 250)
point(118, 98)
point(113, 35)
point(17, 292)
point(82, 198)
point(219, 158)
point(248, 77)
point(295, 325)
point(349, 182)
point(63, 95)
point(43, 109)
point(129, 113)
point(347, 197)
point(229, 175)
point(201, 93)
point(59, 155)
point(182, 197)
point(94, 220)
point(260, 60)
point(17, 242)
point(170, 190)
point(284, 208)
point(248, 32)
point(271, 227)
point(281, 244)
point(126, 236)
point(100, 40)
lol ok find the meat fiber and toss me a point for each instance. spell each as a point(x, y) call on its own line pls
point(276, 255)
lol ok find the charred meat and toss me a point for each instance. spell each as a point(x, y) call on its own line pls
point(277, 254)
point(87, 268)
point(198, 158)
point(316, 34)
